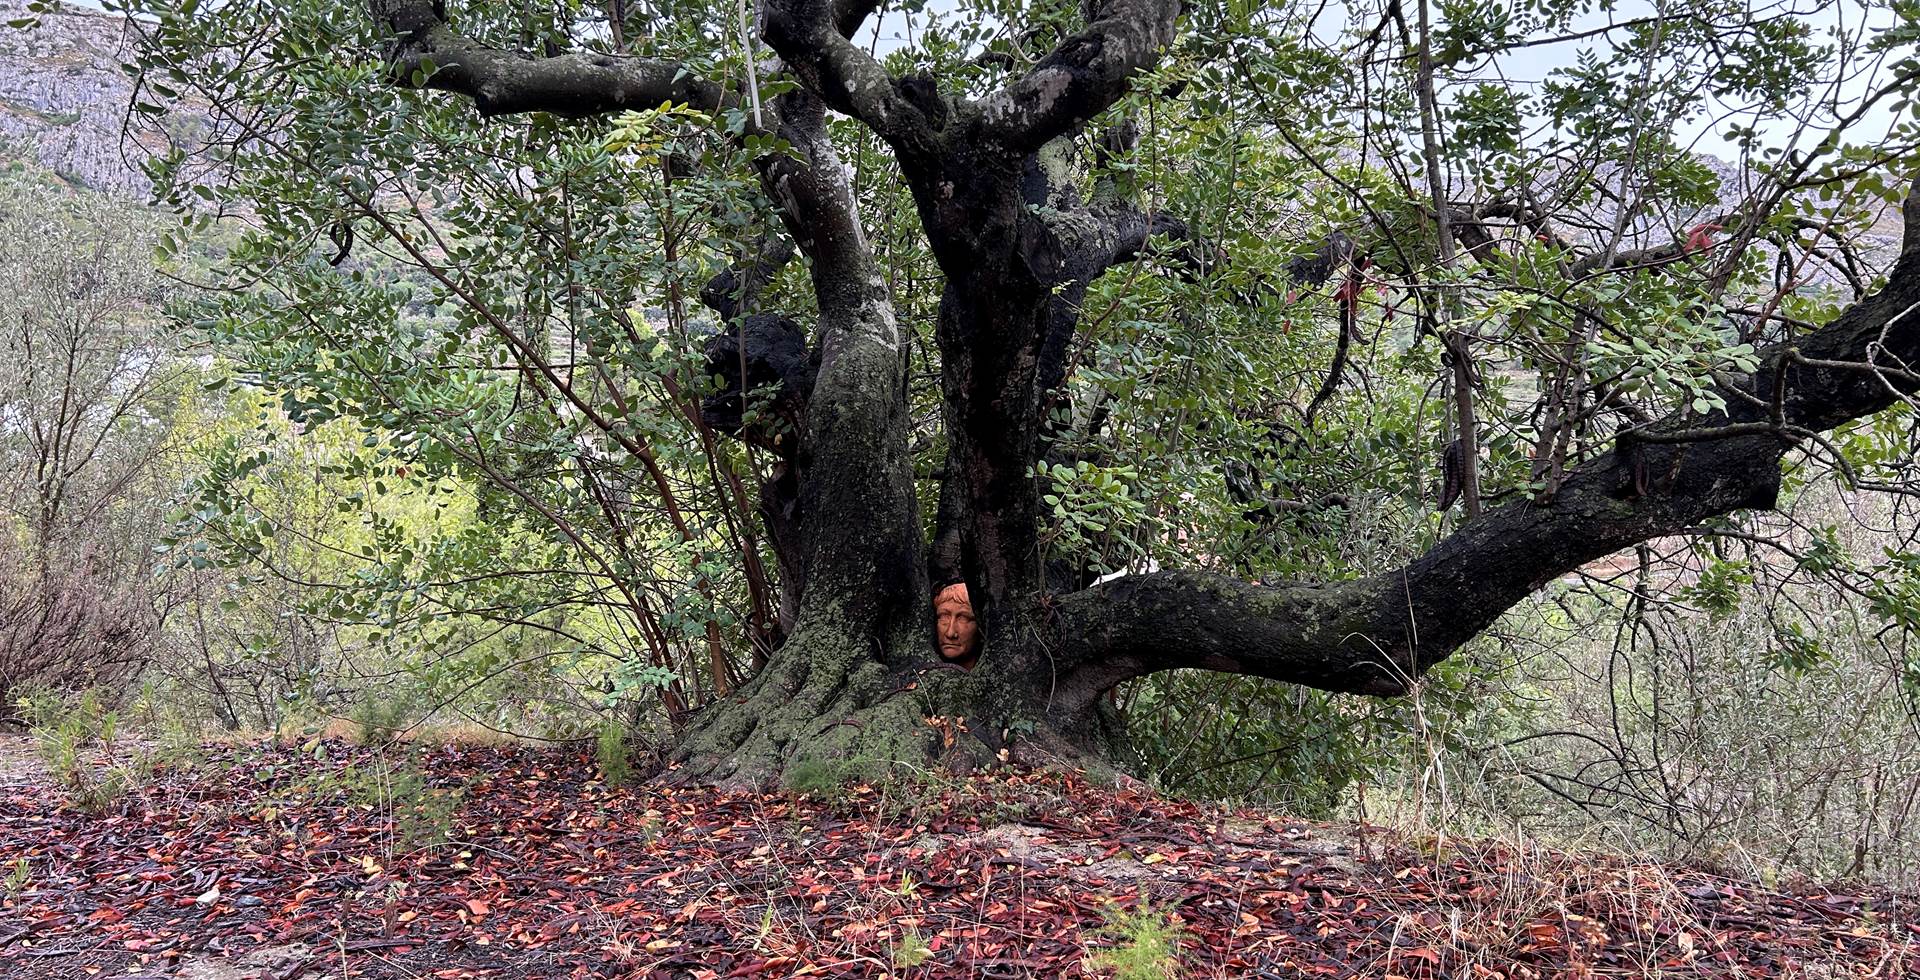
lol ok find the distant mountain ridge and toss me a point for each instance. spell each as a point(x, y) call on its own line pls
point(65, 102)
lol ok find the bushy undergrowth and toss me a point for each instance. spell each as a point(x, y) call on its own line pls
point(610, 752)
point(1688, 740)
point(67, 626)
point(413, 808)
point(80, 740)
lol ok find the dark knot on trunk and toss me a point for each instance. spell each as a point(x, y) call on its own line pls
point(779, 372)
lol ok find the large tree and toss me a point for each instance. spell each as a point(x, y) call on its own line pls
point(1023, 174)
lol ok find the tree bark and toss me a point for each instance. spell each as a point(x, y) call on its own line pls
point(862, 613)
point(1376, 635)
point(857, 683)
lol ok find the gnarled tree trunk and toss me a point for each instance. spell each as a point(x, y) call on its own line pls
point(858, 682)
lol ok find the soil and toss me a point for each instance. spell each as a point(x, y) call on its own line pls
point(20, 763)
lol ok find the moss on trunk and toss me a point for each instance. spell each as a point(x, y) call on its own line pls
point(827, 710)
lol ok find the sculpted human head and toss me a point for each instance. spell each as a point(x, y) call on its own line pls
point(957, 634)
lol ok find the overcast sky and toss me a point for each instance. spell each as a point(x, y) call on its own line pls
point(1529, 66)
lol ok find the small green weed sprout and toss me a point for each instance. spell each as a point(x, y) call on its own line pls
point(1146, 944)
point(911, 950)
point(378, 721)
point(422, 814)
point(767, 923)
point(19, 876)
point(610, 752)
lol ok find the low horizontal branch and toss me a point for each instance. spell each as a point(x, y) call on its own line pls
point(1375, 635)
point(428, 52)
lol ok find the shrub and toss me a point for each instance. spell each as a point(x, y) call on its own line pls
point(420, 813)
point(911, 950)
point(68, 734)
point(67, 626)
point(380, 720)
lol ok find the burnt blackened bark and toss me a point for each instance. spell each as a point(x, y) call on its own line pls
point(736, 292)
point(769, 411)
point(769, 408)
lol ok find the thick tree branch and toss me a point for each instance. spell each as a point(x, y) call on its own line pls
point(1133, 230)
point(1330, 255)
point(1085, 74)
point(860, 534)
point(1079, 244)
point(1697, 239)
point(1375, 635)
point(504, 82)
point(812, 36)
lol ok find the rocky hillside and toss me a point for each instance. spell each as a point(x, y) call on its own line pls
point(64, 99)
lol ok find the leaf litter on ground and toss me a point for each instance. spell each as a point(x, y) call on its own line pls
point(333, 860)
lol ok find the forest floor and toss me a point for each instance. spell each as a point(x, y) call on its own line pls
point(326, 859)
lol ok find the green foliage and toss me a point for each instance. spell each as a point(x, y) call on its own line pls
point(1719, 587)
point(78, 740)
point(1896, 591)
point(423, 815)
point(611, 754)
point(1235, 738)
point(1088, 501)
point(910, 950)
point(380, 719)
point(1145, 943)
point(1782, 719)
point(1487, 118)
point(824, 778)
point(504, 535)
point(93, 388)
point(19, 876)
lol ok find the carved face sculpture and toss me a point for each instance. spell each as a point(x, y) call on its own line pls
point(958, 634)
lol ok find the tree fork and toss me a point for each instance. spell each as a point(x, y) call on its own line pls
point(856, 682)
